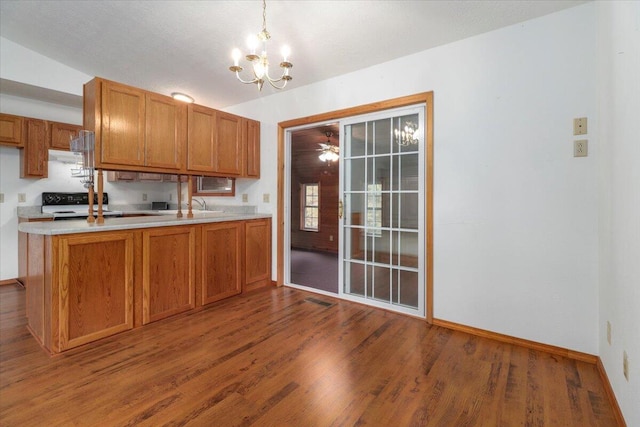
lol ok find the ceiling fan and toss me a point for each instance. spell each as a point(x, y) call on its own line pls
point(328, 152)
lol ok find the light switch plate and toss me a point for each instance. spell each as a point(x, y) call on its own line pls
point(580, 126)
point(245, 198)
point(580, 148)
point(22, 197)
point(266, 197)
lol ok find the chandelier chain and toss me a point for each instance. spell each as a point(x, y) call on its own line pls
point(264, 15)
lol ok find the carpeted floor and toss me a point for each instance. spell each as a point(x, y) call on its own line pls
point(318, 270)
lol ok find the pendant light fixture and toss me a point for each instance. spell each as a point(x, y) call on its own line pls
point(260, 62)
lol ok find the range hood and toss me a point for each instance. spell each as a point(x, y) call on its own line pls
point(66, 157)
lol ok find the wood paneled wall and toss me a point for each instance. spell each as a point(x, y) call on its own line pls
point(307, 168)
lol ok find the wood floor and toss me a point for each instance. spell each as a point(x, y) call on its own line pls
point(273, 358)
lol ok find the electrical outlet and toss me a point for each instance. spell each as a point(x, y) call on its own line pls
point(625, 365)
point(144, 197)
point(331, 238)
point(609, 332)
point(580, 126)
point(580, 148)
point(170, 196)
point(265, 197)
point(1, 197)
point(245, 198)
point(22, 197)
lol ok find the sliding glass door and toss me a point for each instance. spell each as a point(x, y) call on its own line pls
point(383, 210)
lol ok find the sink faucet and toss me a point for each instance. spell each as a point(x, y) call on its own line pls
point(201, 203)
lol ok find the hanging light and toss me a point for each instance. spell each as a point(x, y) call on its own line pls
point(329, 153)
point(408, 135)
point(260, 63)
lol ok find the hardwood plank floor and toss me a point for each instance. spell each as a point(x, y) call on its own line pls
point(272, 358)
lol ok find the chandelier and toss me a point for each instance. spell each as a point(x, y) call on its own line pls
point(329, 153)
point(407, 135)
point(260, 63)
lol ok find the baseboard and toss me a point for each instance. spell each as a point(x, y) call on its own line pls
point(559, 351)
point(10, 282)
point(610, 394)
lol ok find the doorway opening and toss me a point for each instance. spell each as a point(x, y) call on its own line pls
point(313, 201)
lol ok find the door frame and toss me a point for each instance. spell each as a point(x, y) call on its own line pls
point(420, 98)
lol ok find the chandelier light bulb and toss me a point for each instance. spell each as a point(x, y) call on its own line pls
point(252, 43)
point(236, 55)
point(286, 51)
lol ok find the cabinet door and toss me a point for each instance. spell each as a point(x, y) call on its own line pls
point(229, 144)
point(221, 260)
point(95, 283)
point(11, 130)
point(123, 121)
point(60, 134)
point(150, 177)
point(168, 272)
point(165, 131)
point(252, 168)
point(257, 254)
point(201, 141)
point(119, 176)
point(35, 155)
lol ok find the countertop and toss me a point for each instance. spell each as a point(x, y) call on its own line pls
point(156, 219)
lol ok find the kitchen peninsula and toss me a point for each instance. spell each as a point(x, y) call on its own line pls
point(87, 281)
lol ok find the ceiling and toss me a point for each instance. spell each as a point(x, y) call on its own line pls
point(185, 46)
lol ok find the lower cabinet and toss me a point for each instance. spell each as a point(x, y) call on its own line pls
point(168, 272)
point(257, 254)
point(94, 286)
point(221, 260)
point(87, 286)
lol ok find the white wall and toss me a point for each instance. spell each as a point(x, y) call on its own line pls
point(619, 110)
point(516, 225)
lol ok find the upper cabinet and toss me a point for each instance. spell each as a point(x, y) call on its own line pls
point(61, 134)
point(135, 129)
point(35, 154)
point(201, 142)
point(222, 144)
point(11, 130)
point(230, 144)
point(252, 163)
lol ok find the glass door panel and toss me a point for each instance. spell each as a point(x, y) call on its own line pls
point(383, 228)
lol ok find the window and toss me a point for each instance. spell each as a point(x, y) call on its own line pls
point(309, 206)
point(374, 209)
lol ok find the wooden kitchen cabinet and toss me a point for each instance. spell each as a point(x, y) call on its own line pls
point(135, 129)
point(257, 254)
point(23, 250)
point(34, 157)
point(215, 144)
point(11, 128)
point(201, 140)
point(122, 176)
point(93, 294)
point(230, 144)
point(252, 151)
point(61, 134)
point(165, 131)
point(221, 260)
point(168, 272)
